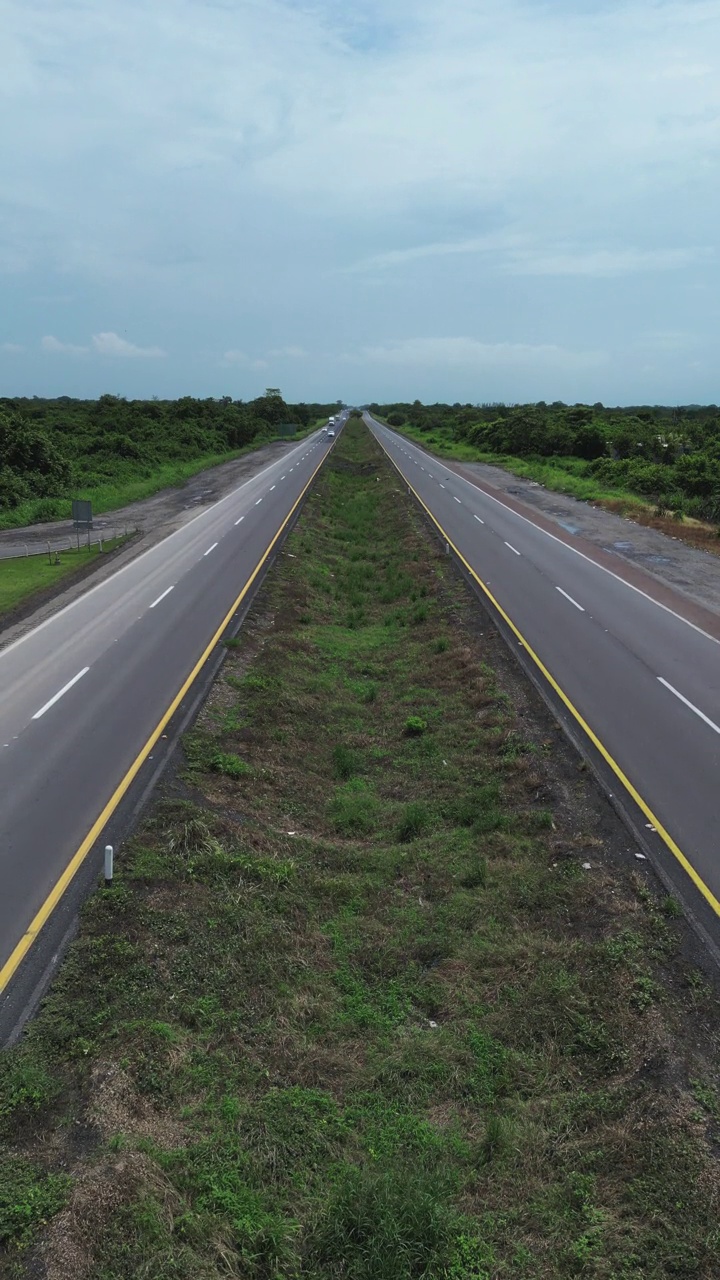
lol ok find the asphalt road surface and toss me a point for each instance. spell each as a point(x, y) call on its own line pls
point(83, 693)
point(645, 679)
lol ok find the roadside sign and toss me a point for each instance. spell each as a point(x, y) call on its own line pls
point(82, 514)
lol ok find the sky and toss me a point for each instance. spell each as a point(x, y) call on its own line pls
point(450, 200)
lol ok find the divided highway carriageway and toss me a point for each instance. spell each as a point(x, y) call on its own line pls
point(637, 683)
point(86, 696)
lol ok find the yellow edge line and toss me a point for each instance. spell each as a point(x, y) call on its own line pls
point(23, 946)
point(677, 852)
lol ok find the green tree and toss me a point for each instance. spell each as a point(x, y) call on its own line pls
point(31, 462)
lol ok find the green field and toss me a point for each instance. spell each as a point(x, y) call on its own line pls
point(355, 1008)
point(22, 577)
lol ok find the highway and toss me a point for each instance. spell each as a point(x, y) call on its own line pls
point(643, 678)
point(84, 694)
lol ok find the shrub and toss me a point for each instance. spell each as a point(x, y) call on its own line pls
point(344, 761)
point(415, 726)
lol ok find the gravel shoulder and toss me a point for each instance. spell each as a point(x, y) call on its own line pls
point(694, 573)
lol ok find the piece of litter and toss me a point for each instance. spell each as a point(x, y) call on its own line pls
point(432, 1024)
point(292, 833)
point(445, 763)
point(650, 826)
point(641, 857)
point(292, 557)
point(586, 866)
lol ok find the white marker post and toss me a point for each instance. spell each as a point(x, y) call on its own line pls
point(108, 865)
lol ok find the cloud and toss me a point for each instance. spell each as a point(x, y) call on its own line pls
point(12, 348)
point(470, 353)
point(110, 344)
point(242, 358)
point(491, 164)
point(441, 249)
point(668, 340)
point(599, 263)
point(291, 352)
point(102, 344)
point(515, 255)
point(49, 343)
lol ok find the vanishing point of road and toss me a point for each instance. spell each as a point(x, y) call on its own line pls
point(633, 671)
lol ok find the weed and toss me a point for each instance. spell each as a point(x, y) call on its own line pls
point(384, 1224)
point(492, 819)
point(645, 991)
point(345, 761)
point(465, 810)
point(477, 873)
point(515, 746)
point(353, 808)
point(472, 1258)
point(415, 726)
point(414, 822)
point(229, 764)
point(27, 1084)
point(28, 1197)
point(708, 1097)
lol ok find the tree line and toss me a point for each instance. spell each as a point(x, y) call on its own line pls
point(670, 455)
point(55, 449)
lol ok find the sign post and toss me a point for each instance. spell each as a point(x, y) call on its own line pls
point(82, 517)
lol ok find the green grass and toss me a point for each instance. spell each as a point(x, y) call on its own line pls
point(22, 577)
point(355, 1011)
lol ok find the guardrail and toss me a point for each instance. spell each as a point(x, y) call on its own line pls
point(69, 542)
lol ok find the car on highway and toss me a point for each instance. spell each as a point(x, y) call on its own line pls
point(331, 431)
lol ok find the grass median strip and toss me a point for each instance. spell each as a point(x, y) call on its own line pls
point(368, 1000)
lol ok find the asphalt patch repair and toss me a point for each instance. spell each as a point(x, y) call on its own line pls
point(377, 994)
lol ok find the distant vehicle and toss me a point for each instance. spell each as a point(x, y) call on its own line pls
point(330, 432)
